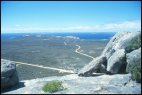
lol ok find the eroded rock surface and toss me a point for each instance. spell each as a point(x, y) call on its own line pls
point(123, 40)
point(133, 60)
point(93, 66)
point(116, 61)
point(9, 76)
point(105, 84)
point(115, 53)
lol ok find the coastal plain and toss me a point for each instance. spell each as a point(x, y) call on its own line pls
point(53, 51)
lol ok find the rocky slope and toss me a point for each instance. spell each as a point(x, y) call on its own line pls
point(74, 84)
point(121, 51)
point(120, 62)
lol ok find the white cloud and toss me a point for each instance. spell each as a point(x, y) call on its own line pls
point(124, 26)
point(108, 27)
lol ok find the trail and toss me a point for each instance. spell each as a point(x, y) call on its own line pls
point(65, 43)
point(82, 53)
point(51, 68)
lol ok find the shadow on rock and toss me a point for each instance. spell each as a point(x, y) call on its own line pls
point(19, 85)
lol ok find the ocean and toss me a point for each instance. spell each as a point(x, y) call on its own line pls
point(86, 35)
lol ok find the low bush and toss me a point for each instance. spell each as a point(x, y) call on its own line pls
point(136, 74)
point(52, 86)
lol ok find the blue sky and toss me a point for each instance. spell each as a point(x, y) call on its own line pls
point(70, 16)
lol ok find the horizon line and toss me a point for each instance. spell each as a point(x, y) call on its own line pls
point(56, 32)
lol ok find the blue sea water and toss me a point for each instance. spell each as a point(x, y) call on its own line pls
point(87, 35)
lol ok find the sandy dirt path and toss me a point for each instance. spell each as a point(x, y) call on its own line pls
point(82, 53)
point(40, 66)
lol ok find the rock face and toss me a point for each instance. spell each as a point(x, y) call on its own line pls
point(116, 61)
point(123, 40)
point(74, 84)
point(93, 66)
point(115, 53)
point(109, 49)
point(133, 60)
point(9, 75)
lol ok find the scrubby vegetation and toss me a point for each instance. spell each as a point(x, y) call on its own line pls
point(136, 74)
point(52, 86)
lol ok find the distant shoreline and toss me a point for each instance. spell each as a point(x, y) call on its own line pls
point(81, 35)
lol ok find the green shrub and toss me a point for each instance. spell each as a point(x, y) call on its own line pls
point(52, 86)
point(136, 74)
